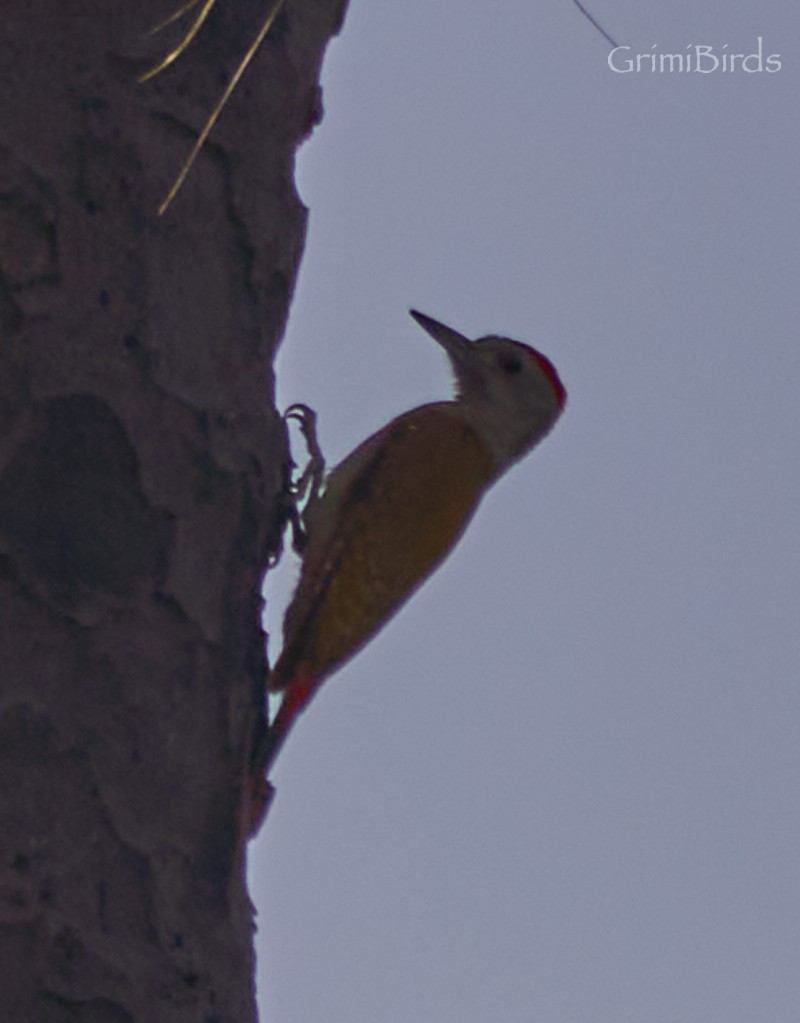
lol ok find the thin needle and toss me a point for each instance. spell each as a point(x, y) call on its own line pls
point(226, 95)
point(178, 50)
point(175, 16)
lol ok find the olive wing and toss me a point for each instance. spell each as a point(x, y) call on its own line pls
point(390, 513)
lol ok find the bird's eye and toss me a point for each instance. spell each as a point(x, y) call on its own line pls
point(510, 364)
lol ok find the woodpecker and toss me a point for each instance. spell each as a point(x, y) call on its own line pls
point(379, 524)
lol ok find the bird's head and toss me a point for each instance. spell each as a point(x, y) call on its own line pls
point(511, 394)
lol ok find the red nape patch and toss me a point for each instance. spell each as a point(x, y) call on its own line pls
point(551, 373)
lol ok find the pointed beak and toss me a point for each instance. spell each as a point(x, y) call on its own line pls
point(457, 346)
point(464, 356)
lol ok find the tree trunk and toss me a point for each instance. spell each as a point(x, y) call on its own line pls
point(141, 471)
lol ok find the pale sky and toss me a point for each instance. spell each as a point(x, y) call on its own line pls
point(562, 785)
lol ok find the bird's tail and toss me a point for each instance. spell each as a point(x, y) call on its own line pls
point(296, 694)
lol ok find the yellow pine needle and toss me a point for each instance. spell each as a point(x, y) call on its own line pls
point(220, 105)
point(175, 16)
point(178, 50)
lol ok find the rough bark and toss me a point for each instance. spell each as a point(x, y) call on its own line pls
point(141, 467)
